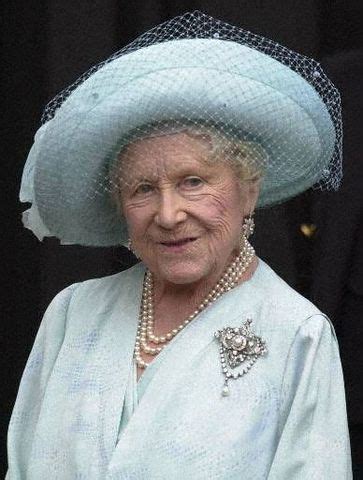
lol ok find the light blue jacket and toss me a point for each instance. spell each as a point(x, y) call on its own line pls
point(80, 415)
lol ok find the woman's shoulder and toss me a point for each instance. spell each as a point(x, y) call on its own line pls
point(97, 294)
point(283, 305)
point(272, 287)
point(125, 277)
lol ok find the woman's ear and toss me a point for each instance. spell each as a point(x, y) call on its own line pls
point(251, 191)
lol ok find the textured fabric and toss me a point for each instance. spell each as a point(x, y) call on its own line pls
point(131, 399)
point(285, 419)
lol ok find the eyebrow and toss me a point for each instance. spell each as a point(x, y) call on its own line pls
point(199, 169)
point(130, 183)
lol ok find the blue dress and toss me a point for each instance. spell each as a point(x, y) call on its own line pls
point(81, 414)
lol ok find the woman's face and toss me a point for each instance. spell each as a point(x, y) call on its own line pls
point(184, 214)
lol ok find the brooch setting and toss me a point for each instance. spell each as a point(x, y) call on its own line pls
point(239, 347)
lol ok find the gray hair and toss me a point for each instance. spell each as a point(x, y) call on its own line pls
point(247, 158)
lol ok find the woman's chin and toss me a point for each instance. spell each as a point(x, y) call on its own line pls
point(182, 274)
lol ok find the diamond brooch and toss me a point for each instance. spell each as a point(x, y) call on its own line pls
point(239, 347)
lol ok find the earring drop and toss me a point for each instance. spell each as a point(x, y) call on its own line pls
point(248, 226)
point(130, 247)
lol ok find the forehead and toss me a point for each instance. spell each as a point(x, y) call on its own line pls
point(168, 154)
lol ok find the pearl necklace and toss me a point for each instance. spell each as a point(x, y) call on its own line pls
point(145, 331)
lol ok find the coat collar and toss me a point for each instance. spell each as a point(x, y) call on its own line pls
point(162, 376)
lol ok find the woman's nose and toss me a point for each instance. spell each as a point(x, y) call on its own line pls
point(170, 210)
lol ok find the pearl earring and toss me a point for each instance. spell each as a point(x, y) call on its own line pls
point(131, 248)
point(248, 226)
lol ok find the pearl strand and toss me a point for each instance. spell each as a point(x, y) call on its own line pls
point(145, 330)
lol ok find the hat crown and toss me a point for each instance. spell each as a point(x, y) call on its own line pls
point(191, 70)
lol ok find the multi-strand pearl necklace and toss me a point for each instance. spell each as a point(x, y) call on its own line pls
point(145, 331)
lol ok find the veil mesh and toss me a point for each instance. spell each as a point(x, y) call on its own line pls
point(199, 25)
point(254, 99)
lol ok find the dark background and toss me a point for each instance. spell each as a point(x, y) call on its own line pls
point(47, 44)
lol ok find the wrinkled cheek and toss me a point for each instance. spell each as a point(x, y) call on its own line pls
point(136, 223)
point(222, 225)
point(146, 251)
point(145, 246)
point(224, 234)
point(228, 213)
point(137, 231)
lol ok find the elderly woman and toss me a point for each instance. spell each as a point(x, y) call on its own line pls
point(199, 362)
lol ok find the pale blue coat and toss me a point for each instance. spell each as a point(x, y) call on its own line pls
point(81, 415)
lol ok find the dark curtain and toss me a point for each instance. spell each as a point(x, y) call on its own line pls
point(48, 44)
point(337, 282)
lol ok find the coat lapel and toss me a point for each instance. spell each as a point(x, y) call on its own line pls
point(116, 352)
point(177, 361)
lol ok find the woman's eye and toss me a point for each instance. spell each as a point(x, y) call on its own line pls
point(144, 188)
point(191, 182)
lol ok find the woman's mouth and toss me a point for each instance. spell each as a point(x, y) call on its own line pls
point(176, 245)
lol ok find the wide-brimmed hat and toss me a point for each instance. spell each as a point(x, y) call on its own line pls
point(192, 70)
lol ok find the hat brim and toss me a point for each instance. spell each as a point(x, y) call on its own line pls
point(281, 111)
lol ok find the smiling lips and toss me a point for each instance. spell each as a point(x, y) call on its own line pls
point(179, 243)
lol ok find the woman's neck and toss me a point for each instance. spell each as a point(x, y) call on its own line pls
point(174, 303)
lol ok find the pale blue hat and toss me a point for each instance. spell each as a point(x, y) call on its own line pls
point(223, 76)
